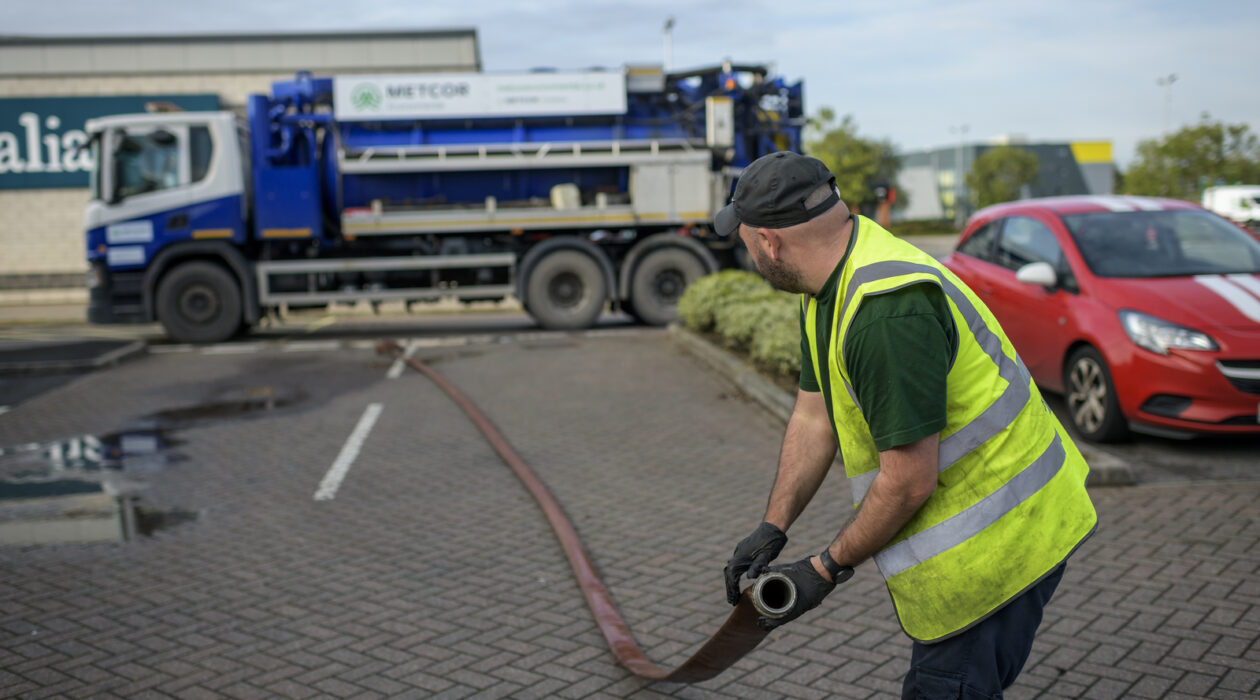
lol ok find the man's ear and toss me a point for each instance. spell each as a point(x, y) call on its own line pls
point(773, 241)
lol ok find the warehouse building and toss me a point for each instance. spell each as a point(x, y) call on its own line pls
point(50, 86)
point(931, 181)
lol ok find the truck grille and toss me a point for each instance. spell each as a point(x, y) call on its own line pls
point(1243, 374)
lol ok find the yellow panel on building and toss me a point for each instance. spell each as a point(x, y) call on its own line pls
point(1091, 151)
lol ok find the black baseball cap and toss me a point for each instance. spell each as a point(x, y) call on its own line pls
point(772, 190)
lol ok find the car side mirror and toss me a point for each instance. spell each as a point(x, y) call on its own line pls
point(1038, 273)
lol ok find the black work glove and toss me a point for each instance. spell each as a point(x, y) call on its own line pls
point(811, 588)
point(752, 555)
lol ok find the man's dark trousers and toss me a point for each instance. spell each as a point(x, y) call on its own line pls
point(979, 663)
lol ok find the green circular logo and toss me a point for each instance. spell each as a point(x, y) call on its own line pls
point(366, 96)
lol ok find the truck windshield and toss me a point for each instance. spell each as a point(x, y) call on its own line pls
point(1162, 244)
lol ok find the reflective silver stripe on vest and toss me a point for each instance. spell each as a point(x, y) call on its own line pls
point(997, 415)
point(959, 528)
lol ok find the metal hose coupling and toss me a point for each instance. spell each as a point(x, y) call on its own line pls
point(773, 595)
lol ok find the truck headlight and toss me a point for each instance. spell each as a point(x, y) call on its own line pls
point(1158, 335)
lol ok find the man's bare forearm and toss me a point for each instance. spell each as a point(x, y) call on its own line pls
point(907, 477)
point(809, 446)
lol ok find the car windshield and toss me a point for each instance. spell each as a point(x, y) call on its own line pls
point(1162, 244)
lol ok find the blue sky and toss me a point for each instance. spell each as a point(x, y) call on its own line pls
point(907, 71)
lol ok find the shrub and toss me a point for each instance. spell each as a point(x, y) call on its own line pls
point(699, 304)
point(778, 343)
point(923, 227)
point(741, 319)
point(749, 315)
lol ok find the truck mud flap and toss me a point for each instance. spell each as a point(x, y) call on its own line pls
point(735, 638)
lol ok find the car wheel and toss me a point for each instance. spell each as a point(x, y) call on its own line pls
point(1091, 398)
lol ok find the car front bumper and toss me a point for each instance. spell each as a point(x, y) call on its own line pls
point(1190, 392)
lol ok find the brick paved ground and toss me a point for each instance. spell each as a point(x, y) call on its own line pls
point(431, 574)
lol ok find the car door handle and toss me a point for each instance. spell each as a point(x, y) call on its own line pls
point(177, 221)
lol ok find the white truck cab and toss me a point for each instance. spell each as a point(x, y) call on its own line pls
point(150, 163)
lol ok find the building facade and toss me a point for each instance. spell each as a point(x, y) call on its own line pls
point(49, 86)
point(933, 181)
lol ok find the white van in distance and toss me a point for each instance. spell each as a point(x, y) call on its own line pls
point(1238, 203)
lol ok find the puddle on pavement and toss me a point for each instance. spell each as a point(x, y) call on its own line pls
point(143, 451)
point(150, 520)
point(250, 401)
point(83, 489)
point(86, 488)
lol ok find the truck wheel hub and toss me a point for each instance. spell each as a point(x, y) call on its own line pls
point(198, 303)
point(565, 289)
point(669, 285)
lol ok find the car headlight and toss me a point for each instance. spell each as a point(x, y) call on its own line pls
point(1158, 335)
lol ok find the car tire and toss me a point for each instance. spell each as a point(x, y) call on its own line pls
point(566, 290)
point(1090, 397)
point(199, 302)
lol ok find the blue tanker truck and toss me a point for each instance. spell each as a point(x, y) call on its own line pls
point(568, 190)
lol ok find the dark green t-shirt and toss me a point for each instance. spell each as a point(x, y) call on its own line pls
point(899, 348)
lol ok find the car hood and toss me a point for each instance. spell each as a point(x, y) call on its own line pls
point(1202, 302)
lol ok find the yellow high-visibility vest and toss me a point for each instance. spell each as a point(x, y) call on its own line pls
point(1010, 503)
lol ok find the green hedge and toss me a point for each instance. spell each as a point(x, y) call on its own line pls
point(750, 316)
point(923, 227)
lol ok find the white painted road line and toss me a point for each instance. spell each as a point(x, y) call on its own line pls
point(396, 369)
point(332, 480)
point(167, 349)
point(312, 346)
point(231, 349)
point(4, 410)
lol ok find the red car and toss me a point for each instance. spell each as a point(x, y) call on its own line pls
point(1144, 313)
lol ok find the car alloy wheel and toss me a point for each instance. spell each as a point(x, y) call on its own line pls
point(1091, 398)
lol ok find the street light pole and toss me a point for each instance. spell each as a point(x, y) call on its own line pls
point(961, 130)
point(1167, 83)
point(669, 43)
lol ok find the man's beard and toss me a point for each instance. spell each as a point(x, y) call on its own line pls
point(779, 274)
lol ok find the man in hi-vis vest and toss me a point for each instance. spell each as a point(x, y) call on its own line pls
point(969, 494)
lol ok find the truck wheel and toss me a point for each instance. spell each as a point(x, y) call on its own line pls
point(658, 283)
point(566, 290)
point(1091, 398)
point(199, 302)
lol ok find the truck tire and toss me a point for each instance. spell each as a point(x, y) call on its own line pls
point(658, 282)
point(566, 290)
point(199, 302)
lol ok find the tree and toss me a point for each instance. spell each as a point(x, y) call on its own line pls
point(999, 174)
point(1182, 164)
point(857, 163)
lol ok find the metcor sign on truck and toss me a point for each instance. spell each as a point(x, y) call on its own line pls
point(450, 96)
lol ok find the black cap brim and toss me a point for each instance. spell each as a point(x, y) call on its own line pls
point(726, 222)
